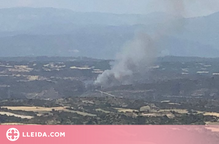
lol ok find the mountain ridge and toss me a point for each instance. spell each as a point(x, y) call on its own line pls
point(51, 31)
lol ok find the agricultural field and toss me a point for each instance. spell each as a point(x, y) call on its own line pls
point(62, 91)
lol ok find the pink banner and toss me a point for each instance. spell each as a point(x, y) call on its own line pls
point(109, 134)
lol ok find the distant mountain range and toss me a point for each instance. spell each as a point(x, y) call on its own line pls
point(61, 32)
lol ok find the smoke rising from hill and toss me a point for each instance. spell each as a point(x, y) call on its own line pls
point(133, 62)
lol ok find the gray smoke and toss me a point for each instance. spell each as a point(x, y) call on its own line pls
point(135, 58)
point(175, 7)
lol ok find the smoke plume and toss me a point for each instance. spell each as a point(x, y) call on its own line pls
point(135, 58)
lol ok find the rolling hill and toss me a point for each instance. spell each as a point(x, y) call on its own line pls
point(61, 32)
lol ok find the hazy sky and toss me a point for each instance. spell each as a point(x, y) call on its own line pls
point(190, 7)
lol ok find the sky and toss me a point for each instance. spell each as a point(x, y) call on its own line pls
point(191, 8)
